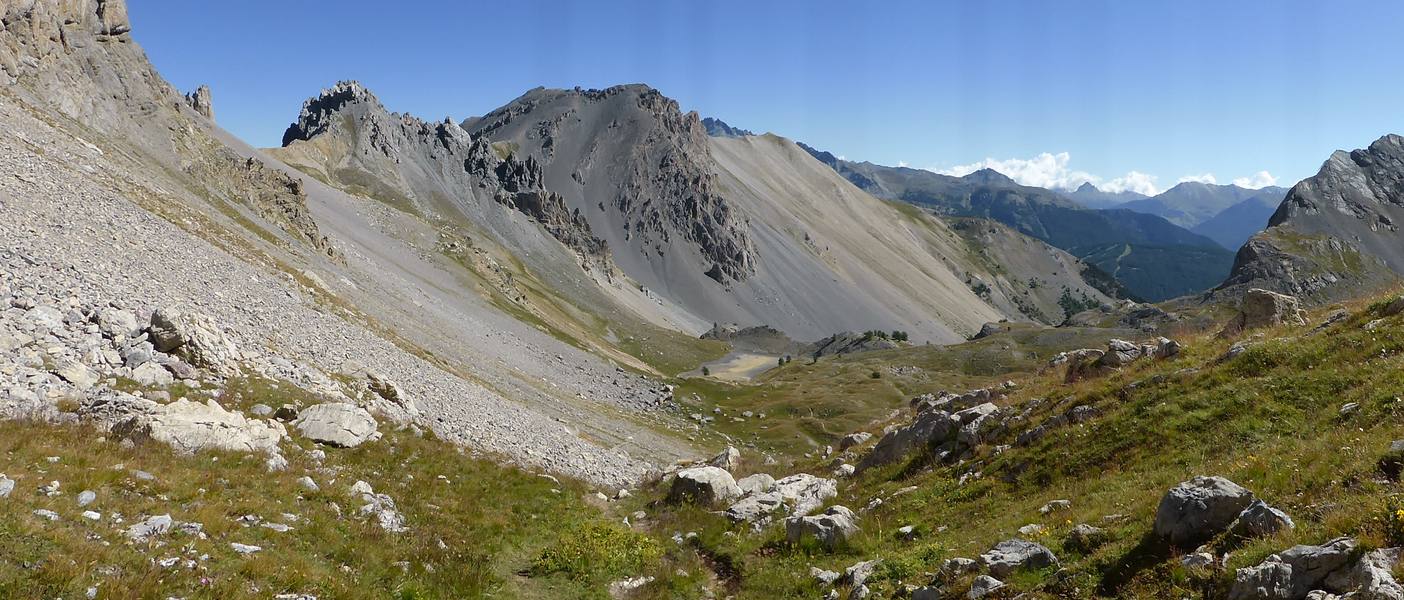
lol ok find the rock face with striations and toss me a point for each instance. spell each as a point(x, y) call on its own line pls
point(1336, 234)
point(637, 162)
point(64, 54)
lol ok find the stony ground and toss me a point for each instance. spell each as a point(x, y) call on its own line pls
point(73, 236)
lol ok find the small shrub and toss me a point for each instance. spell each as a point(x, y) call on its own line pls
point(706, 372)
point(68, 404)
point(1394, 521)
point(875, 375)
point(598, 551)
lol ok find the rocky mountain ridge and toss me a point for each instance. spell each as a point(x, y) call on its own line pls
point(1335, 235)
point(357, 143)
point(657, 182)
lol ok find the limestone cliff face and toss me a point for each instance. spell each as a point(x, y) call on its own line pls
point(346, 136)
point(637, 167)
point(76, 59)
point(1336, 234)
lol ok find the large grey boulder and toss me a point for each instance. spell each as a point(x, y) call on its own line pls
point(756, 508)
point(983, 585)
point(796, 495)
point(859, 573)
point(1260, 519)
point(931, 427)
point(80, 376)
point(117, 323)
point(756, 484)
point(804, 493)
point(1263, 308)
point(704, 486)
point(1013, 555)
point(1198, 509)
point(337, 424)
point(831, 529)
point(1119, 354)
point(191, 427)
point(195, 338)
point(150, 374)
point(1292, 573)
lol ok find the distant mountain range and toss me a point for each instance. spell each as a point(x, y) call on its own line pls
point(1227, 214)
point(1090, 196)
point(1191, 203)
point(1235, 224)
point(1127, 244)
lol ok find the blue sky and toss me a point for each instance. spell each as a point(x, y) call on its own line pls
point(1050, 92)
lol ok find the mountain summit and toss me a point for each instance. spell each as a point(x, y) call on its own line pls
point(1337, 233)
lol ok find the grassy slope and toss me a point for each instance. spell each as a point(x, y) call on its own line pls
point(477, 529)
point(808, 406)
point(1268, 419)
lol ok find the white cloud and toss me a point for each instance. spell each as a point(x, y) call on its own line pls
point(902, 164)
point(1134, 181)
point(1205, 178)
point(1258, 180)
point(1052, 171)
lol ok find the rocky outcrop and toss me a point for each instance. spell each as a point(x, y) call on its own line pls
point(704, 486)
point(1010, 556)
point(1264, 308)
point(337, 424)
point(1090, 362)
point(930, 428)
point(1198, 509)
point(719, 128)
point(191, 427)
point(195, 338)
point(830, 529)
point(949, 435)
point(379, 507)
point(1336, 234)
point(849, 342)
point(523, 189)
point(1332, 567)
point(201, 101)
